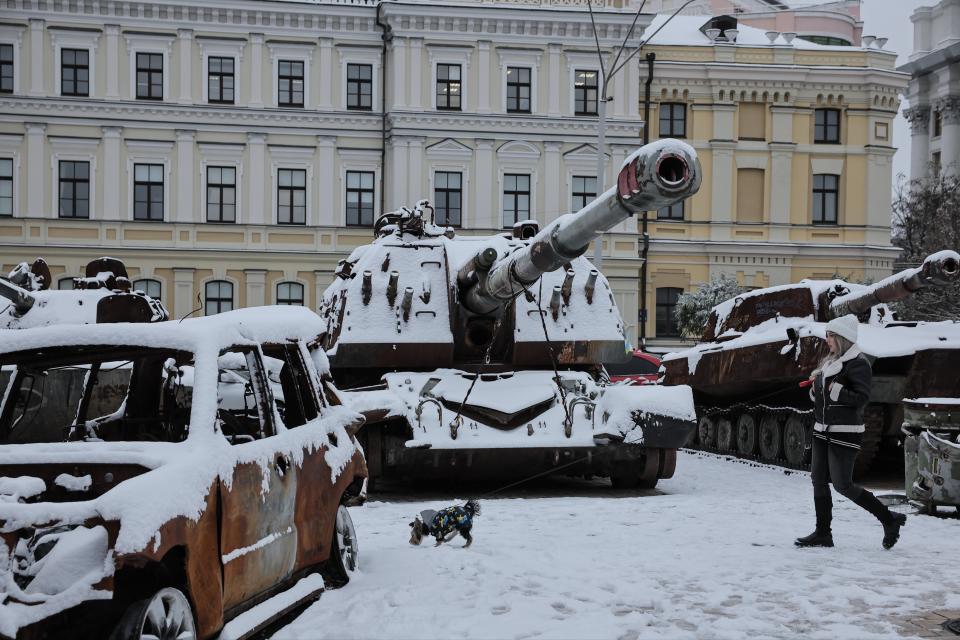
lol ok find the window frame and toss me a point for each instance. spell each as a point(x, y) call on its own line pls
point(150, 75)
point(819, 194)
point(672, 120)
point(11, 64)
point(292, 189)
point(448, 84)
point(137, 285)
point(303, 83)
point(75, 68)
point(519, 84)
point(667, 307)
point(515, 193)
point(574, 194)
point(149, 184)
point(446, 191)
point(218, 300)
point(668, 212)
point(74, 182)
point(360, 83)
point(289, 300)
point(825, 127)
point(220, 76)
point(221, 188)
point(12, 180)
point(586, 96)
point(348, 190)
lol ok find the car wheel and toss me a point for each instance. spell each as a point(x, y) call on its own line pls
point(166, 614)
point(344, 552)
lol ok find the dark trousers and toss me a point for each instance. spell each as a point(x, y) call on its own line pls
point(833, 463)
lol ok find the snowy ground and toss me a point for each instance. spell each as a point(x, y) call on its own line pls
point(708, 555)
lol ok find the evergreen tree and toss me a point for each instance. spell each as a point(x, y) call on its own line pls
point(693, 308)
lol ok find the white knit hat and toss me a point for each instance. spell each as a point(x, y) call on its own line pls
point(845, 326)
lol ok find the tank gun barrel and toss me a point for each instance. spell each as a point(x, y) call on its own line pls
point(656, 175)
point(938, 270)
point(20, 297)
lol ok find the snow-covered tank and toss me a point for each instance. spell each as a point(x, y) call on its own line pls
point(758, 346)
point(480, 357)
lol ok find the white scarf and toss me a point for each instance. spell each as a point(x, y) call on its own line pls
point(835, 365)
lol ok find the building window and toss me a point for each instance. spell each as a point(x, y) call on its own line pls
point(830, 41)
point(448, 197)
point(291, 196)
point(448, 87)
point(753, 121)
point(750, 195)
point(935, 161)
point(518, 90)
point(218, 297)
point(516, 198)
point(220, 80)
point(150, 76)
point(585, 92)
point(360, 87)
point(290, 83)
point(148, 192)
point(74, 72)
point(937, 123)
point(826, 188)
point(671, 212)
point(673, 121)
point(149, 286)
point(826, 126)
point(221, 194)
point(6, 187)
point(360, 198)
point(74, 189)
point(6, 68)
point(666, 303)
point(290, 293)
point(584, 191)
point(65, 284)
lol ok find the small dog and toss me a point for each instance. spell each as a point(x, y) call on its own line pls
point(443, 525)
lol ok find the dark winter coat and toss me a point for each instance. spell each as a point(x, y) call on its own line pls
point(840, 392)
point(448, 521)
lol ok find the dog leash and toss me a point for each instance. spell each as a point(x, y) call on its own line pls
point(535, 476)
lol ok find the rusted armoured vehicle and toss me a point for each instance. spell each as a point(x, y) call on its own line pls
point(760, 345)
point(480, 357)
point(170, 509)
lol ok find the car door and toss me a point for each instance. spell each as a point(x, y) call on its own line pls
point(258, 537)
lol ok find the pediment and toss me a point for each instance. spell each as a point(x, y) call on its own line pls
point(449, 148)
point(518, 149)
point(583, 152)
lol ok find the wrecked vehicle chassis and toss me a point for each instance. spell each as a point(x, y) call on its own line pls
point(168, 500)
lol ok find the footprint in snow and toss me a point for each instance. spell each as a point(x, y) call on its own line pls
point(562, 608)
point(499, 610)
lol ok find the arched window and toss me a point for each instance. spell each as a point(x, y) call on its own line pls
point(65, 283)
point(290, 293)
point(149, 286)
point(218, 297)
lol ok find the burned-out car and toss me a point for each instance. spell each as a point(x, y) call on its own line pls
point(161, 479)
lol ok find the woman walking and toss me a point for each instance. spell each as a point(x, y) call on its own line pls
point(841, 389)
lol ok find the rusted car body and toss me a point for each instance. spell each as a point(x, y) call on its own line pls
point(480, 357)
point(759, 346)
point(110, 498)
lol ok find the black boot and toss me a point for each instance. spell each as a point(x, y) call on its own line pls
point(891, 521)
point(821, 537)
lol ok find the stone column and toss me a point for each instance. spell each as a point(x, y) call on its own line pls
point(183, 295)
point(879, 174)
point(486, 205)
point(36, 173)
point(949, 109)
point(326, 83)
point(256, 69)
point(113, 61)
point(396, 195)
point(37, 58)
point(185, 52)
point(554, 201)
point(721, 203)
point(555, 73)
point(417, 190)
point(484, 90)
point(186, 202)
point(416, 80)
point(319, 287)
point(258, 179)
point(112, 176)
point(781, 171)
point(398, 77)
point(919, 119)
point(328, 211)
point(256, 287)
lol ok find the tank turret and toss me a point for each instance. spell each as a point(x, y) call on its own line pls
point(480, 356)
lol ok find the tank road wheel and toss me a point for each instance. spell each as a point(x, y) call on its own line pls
point(770, 437)
point(166, 614)
point(707, 432)
point(635, 474)
point(794, 440)
point(726, 435)
point(746, 435)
